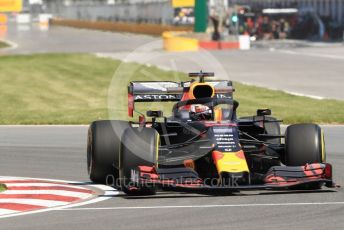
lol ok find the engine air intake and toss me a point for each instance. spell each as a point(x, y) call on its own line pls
point(201, 90)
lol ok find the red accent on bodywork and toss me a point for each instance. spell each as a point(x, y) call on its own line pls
point(147, 169)
point(274, 179)
point(313, 170)
point(196, 184)
point(130, 105)
point(240, 154)
point(142, 120)
point(214, 123)
point(185, 98)
point(148, 173)
point(328, 171)
point(133, 189)
point(217, 155)
point(308, 173)
point(312, 173)
point(189, 164)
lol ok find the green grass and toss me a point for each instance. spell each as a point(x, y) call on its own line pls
point(73, 89)
point(3, 45)
point(2, 187)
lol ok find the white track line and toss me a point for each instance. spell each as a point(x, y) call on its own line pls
point(285, 91)
point(203, 206)
point(13, 45)
point(304, 95)
point(320, 55)
point(12, 178)
point(7, 211)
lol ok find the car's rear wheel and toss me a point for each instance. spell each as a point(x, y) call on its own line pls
point(139, 148)
point(103, 145)
point(304, 143)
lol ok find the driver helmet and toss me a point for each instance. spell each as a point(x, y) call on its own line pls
point(200, 112)
point(199, 108)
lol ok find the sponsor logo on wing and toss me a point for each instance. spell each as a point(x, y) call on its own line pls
point(155, 97)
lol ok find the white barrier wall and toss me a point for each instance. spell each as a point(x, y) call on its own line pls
point(23, 18)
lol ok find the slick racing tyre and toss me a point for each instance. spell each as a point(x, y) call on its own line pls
point(139, 148)
point(103, 143)
point(304, 143)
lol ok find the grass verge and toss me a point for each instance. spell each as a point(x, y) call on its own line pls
point(2, 187)
point(73, 89)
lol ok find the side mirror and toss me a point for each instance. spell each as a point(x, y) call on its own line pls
point(157, 113)
point(263, 112)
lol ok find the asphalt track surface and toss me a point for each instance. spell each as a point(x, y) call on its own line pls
point(59, 152)
point(30, 38)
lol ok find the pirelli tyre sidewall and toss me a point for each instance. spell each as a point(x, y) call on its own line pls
point(139, 147)
point(103, 145)
point(304, 143)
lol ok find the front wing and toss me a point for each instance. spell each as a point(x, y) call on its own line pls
point(278, 177)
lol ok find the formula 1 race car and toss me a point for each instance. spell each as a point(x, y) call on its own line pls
point(203, 145)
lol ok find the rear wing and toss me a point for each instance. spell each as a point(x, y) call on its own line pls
point(151, 91)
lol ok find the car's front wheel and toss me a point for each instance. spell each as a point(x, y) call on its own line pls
point(304, 143)
point(103, 143)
